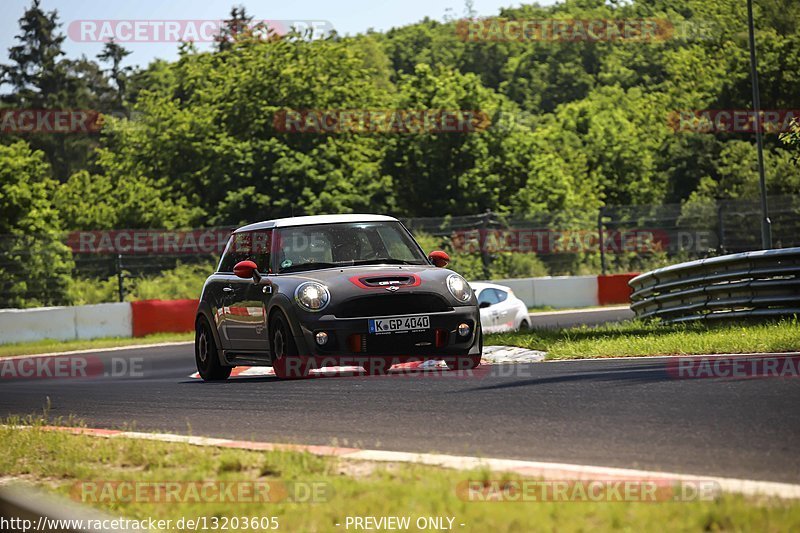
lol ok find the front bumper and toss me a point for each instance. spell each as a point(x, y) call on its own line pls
point(348, 337)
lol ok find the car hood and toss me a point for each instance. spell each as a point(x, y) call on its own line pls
point(350, 282)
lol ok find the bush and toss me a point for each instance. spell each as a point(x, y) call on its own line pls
point(470, 265)
point(183, 281)
point(517, 265)
point(87, 291)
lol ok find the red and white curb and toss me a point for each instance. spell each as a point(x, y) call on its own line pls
point(260, 371)
point(491, 355)
point(534, 469)
point(511, 354)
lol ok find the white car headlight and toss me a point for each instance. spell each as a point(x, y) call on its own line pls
point(459, 288)
point(312, 296)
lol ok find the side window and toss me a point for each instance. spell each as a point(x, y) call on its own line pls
point(252, 245)
point(487, 296)
point(501, 295)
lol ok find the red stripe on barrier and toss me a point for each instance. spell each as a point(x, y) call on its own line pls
point(163, 316)
point(614, 288)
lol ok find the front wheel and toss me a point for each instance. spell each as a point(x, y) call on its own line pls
point(464, 363)
point(285, 361)
point(206, 355)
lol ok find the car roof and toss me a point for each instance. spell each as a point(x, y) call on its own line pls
point(315, 219)
point(480, 285)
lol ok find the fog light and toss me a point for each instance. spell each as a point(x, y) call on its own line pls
point(322, 338)
point(463, 329)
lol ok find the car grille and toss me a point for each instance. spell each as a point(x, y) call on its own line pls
point(392, 304)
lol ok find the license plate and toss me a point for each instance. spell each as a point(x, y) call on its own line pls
point(394, 324)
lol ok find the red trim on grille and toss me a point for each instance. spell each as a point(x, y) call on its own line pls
point(358, 280)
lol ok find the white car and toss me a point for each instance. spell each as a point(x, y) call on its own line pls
point(500, 309)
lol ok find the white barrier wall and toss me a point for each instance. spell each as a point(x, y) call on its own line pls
point(65, 323)
point(523, 288)
point(21, 325)
point(103, 320)
point(554, 291)
point(565, 291)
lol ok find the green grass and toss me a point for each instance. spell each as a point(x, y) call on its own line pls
point(631, 338)
point(51, 345)
point(57, 461)
point(636, 338)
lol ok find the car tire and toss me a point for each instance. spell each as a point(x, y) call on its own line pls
point(283, 351)
point(464, 363)
point(206, 354)
point(524, 326)
point(377, 368)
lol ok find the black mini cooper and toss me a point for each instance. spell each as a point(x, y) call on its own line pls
point(308, 292)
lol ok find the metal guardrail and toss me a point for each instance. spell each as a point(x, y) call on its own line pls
point(744, 285)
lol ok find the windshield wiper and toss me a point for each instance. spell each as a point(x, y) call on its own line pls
point(308, 266)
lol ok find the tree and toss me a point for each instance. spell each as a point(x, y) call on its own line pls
point(36, 77)
point(114, 54)
point(208, 140)
point(234, 28)
point(35, 267)
point(40, 81)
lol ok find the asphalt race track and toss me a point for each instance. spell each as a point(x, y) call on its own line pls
point(624, 413)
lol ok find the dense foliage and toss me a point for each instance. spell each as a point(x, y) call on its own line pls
point(574, 125)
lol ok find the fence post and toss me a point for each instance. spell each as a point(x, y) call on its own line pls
point(485, 256)
point(120, 282)
point(720, 227)
point(601, 240)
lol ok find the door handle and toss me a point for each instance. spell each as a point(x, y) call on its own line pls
point(227, 289)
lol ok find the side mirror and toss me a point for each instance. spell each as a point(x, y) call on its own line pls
point(439, 258)
point(246, 269)
point(484, 305)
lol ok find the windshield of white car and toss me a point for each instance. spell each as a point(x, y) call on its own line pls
point(348, 244)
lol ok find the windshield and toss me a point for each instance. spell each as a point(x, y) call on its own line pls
point(335, 245)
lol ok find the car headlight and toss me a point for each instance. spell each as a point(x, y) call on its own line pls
point(312, 296)
point(459, 288)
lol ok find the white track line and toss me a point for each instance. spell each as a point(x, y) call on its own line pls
point(101, 350)
point(689, 355)
point(545, 470)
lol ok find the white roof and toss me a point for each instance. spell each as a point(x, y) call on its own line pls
point(316, 219)
point(478, 286)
